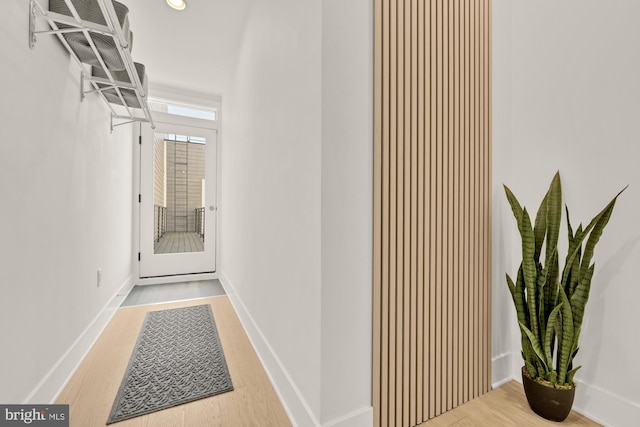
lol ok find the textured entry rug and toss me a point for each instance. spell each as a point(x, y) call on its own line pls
point(177, 359)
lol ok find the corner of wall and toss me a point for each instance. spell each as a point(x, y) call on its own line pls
point(360, 418)
point(296, 407)
point(501, 371)
point(614, 410)
point(52, 384)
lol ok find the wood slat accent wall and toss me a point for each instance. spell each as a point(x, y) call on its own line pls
point(432, 202)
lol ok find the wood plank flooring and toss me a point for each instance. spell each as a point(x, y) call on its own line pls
point(178, 242)
point(504, 406)
point(92, 389)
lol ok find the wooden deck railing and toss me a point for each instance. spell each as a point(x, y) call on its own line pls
point(200, 222)
point(159, 222)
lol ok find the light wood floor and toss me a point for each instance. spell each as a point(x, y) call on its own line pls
point(93, 387)
point(504, 406)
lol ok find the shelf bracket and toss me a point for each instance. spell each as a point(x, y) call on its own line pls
point(82, 87)
point(128, 120)
point(32, 25)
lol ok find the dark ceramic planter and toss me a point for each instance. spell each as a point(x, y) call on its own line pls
point(551, 403)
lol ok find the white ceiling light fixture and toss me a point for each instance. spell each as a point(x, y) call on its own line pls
point(177, 4)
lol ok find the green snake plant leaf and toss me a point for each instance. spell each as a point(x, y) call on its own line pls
point(549, 335)
point(517, 293)
point(515, 205)
point(529, 357)
point(512, 287)
point(580, 297)
point(574, 252)
point(540, 226)
point(574, 272)
point(601, 220)
point(531, 370)
point(540, 294)
point(574, 349)
point(551, 286)
point(521, 291)
point(579, 231)
point(535, 345)
point(554, 214)
point(571, 374)
point(565, 345)
point(569, 229)
point(558, 332)
point(529, 270)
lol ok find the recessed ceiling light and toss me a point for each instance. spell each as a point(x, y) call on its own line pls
point(177, 4)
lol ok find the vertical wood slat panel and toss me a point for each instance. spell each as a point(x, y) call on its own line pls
point(473, 193)
point(428, 239)
point(468, 205)
point(431, 233)
point(407, 231)
point(412, 35)
point(432, 237)
point(450, 227)
point(393, 103)
point(456, 200)
point(399, 141)
point(420, 111)
point(437, 213)
point(444, 230)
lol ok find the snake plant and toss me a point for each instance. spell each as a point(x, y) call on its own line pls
point(550, 302)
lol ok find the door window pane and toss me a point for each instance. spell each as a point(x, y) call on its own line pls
point(179, 204)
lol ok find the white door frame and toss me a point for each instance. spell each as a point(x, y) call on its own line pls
point(164, 118)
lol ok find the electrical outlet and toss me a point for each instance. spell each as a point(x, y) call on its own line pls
point(99, 277)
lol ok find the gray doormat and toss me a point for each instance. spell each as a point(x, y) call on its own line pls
point(177, 359)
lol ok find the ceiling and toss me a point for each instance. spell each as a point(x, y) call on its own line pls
point(193, 50)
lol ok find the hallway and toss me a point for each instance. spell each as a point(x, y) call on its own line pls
point(292, 85)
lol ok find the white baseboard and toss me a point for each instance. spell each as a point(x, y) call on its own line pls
point(299, 412)
point(359, 418)
point(501, 372)
point(56, 379)
point(605, 407)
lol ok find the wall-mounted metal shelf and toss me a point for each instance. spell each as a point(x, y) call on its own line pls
point(127, 100)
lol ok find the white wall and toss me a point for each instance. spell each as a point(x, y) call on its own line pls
point(66, 210)
point(347, 211)
point(270, 206)
point(574, 91)
point(296, 203)
point(504, 331)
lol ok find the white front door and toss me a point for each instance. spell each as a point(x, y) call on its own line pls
point(178, 205)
